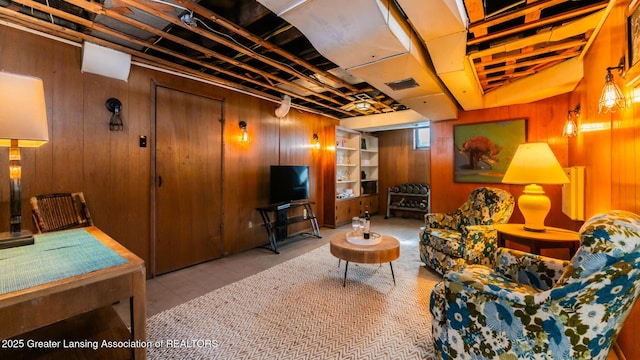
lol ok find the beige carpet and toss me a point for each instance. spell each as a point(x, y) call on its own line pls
point(299, 310)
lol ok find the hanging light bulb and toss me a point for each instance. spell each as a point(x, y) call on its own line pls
point(570, 129)
point(245, 135)
point(363, 105)
point(611, 95)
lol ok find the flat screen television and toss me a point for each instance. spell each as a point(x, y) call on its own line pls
point(289, 183)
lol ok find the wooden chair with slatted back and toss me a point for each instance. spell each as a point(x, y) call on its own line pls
point(53, 212)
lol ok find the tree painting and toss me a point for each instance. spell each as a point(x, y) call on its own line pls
point(483, 151)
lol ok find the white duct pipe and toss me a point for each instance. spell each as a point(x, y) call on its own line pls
point(285, 105)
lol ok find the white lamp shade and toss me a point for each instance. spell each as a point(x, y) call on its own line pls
point(534, 163)
point(24, 113)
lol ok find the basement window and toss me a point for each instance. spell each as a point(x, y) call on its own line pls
point(422, 138)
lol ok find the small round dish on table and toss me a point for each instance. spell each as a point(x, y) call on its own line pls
point(356, 238)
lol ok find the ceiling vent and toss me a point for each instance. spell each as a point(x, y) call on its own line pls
point(402, 84)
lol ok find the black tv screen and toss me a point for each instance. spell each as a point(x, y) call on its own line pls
point(289, 183)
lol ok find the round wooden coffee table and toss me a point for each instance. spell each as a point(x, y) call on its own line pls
point(387, 250)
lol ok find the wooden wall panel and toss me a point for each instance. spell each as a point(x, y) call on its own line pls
point(248, 166)
point(296, 133)
point(137, 192)
point(329, 166)
point(400, 163)
point(318, 161)
point(67, 103)
point(594, 141)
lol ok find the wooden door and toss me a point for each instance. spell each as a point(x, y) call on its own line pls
point(188, 179)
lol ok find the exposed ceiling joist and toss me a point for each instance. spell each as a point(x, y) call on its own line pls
point(481, 48)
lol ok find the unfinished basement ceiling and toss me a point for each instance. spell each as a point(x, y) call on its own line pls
point(432, 57)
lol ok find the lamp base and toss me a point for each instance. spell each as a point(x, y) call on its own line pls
point(534, 206)
point(8, 240)
point(533, 229)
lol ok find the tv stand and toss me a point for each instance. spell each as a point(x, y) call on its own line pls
point(277, 230)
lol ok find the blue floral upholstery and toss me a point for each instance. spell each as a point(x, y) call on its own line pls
point(534, 307)
point(465, 236)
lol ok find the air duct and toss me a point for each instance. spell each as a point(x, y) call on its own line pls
point(371, 40)
point(285, 105)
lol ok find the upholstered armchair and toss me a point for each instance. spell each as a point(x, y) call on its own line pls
point(533, 307)
point(465, 236)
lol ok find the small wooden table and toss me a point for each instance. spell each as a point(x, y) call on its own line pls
point(387, 250)
point(36, 307)
point(550, 238)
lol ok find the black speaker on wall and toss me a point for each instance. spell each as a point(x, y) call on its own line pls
point(101, 60)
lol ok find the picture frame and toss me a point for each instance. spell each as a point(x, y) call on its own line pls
point(633, 34)
point(632, 70)
point(483, 151)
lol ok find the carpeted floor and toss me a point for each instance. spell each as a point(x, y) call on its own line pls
point(300, 310)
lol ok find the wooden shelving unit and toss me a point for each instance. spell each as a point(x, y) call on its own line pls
point(355, 181)
point(369, 164)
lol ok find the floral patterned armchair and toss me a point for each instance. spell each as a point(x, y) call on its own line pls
point(465, 236)
point(534, 307)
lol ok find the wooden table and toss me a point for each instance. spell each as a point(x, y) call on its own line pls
point(36, 307)
point(550, 238)
point(387, 250)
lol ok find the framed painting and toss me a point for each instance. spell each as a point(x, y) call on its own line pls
point(483, 151)
point(633, 43)
point(633, 34)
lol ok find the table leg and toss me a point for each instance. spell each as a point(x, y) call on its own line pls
point(271, 232)
point(501, 240)
point(392, 275)
point(137, 306)
point(572, 250)
point(534, 246)
point(346, 267)
point(314, 221)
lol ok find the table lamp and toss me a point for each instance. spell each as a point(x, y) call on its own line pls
point(23, 123)
point(534, 164)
